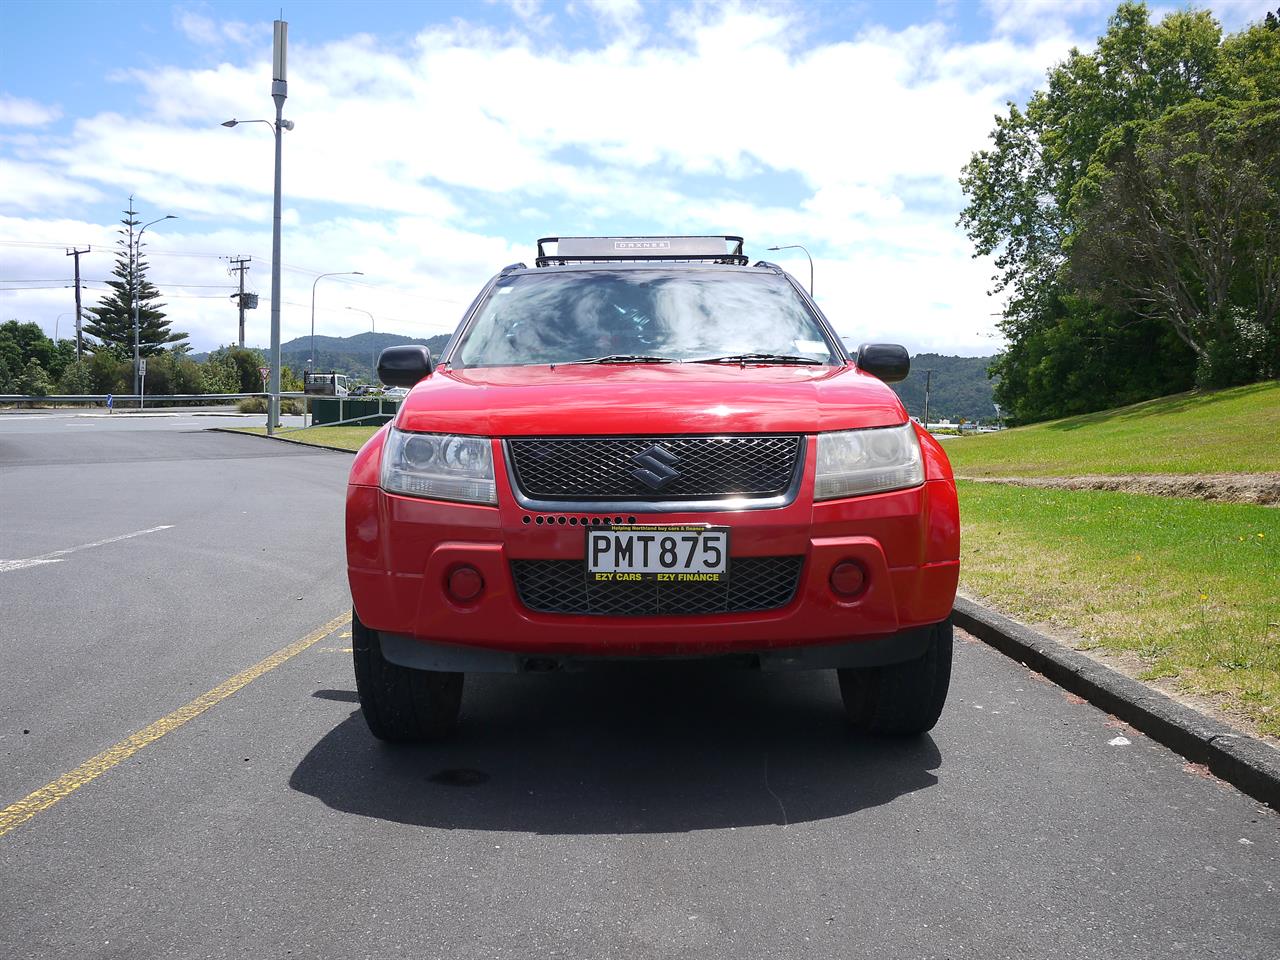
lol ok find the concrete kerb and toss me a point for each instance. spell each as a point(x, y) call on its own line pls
point(297, 443)
point(1243, 761)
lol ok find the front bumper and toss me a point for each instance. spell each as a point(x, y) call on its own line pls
point(401, 551)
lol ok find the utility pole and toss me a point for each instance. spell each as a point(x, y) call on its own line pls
point(75, 252)
point(240, 265)
point(928, 381)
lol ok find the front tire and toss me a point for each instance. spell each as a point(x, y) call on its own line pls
point(400, 704)
point(901, 699)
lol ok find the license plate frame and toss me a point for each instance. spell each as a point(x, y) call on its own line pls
point(644, 551)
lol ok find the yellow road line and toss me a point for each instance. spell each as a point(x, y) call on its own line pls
point(18, 813)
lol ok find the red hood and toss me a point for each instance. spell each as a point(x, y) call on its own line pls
point(648, 399)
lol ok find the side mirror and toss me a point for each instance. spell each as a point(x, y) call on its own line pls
point(405, 365)
point(888, 361)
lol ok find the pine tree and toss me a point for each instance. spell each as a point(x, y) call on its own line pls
point(111, 321)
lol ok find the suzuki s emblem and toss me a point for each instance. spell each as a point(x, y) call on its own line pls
point(655, 467)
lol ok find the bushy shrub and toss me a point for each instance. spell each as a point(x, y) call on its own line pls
point(76, 378)
point(288, 405)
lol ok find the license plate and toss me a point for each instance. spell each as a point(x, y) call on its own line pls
point(665, 554)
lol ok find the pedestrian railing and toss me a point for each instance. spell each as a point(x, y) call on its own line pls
point(104, 398)
point(360, 408)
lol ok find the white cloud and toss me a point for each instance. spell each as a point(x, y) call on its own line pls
point(1040, 17)
point(209, 32)
point(30, 186)
point(21, 112)
point(412, 165)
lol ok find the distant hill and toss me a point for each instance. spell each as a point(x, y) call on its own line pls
point(959, 388)
point(960, 385)
point(353, 356)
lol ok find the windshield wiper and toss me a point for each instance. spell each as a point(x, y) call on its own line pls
point(621, 358)
point(745, 358)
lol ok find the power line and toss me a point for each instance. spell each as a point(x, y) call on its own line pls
point(305, 271)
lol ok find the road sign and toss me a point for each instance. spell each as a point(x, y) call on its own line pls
point(264, 372)
point(142, 367)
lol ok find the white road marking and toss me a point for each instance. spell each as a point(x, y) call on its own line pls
point(7, 566)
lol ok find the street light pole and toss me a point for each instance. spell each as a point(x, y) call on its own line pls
point(340, 273)
point(279, 92)
point(373, 350)
point(797, 246)
point(137, 312)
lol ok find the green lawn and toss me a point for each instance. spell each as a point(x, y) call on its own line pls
point(1193, 588)
point(348, 438)
point(1229, 431)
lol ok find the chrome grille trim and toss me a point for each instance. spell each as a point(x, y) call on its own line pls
point(781, 487)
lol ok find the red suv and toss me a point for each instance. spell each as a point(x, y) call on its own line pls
point(649, 448)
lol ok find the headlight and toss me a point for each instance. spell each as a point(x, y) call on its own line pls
point(439, 466)
point(855, 462)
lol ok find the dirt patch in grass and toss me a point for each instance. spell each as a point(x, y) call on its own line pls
point(1259, 488)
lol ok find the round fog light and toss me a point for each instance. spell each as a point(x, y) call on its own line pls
point(848, 578)
point(465, 584)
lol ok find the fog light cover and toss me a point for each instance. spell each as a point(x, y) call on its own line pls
point(465, 584)
point(848, 578)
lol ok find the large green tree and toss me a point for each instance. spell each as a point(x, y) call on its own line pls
point(1180, 218)
point(111, 321)
point(1021, 187)
point(21, 343)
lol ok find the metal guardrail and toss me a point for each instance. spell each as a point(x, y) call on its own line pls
point(133, 397)
point(386, 408)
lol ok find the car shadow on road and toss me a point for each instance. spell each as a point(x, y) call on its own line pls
point(660, 748)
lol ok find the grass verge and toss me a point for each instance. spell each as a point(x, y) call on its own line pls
point(1229, 431)
point(1190, 588)
point(348, 438)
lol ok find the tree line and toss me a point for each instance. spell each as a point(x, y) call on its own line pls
point(33, 364)
point(1132, 206)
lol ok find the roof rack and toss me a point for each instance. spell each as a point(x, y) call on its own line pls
point(631, 249)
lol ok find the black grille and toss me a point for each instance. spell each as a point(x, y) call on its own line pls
point(561, 586)
point(603, 468)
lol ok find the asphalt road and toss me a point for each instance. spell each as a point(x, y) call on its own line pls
point(689, 812)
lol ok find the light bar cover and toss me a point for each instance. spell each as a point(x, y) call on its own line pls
point(639, 247)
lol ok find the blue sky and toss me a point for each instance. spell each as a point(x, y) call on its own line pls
point(436, 141)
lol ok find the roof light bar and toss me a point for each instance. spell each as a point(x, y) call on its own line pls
point(622, 249)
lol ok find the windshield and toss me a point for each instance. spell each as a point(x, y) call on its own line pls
point(655, 315)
